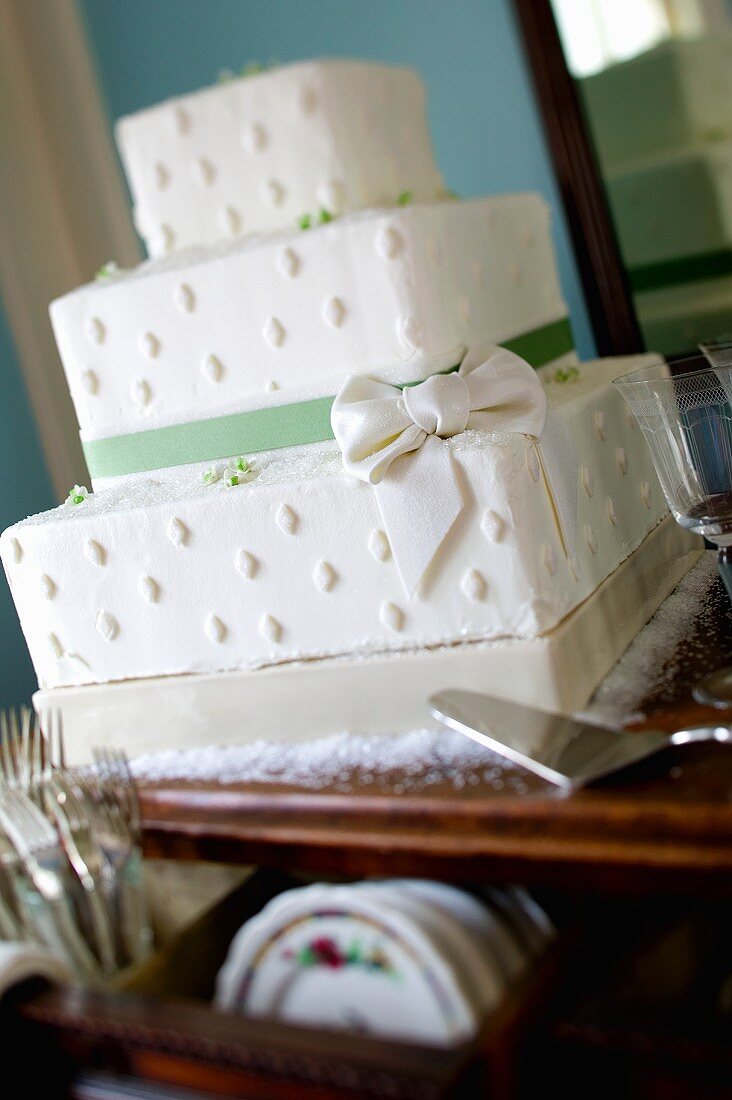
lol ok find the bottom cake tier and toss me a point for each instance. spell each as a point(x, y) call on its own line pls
point(385, 693)
point(159, 578)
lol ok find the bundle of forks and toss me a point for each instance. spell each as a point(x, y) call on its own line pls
point(71, 875)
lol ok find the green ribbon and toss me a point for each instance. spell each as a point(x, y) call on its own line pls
point(268, 429)
point(681, 269)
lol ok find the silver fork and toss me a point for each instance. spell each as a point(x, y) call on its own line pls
point(75, 821)
point(20, 748)
point(112, 799)
point(35, 842)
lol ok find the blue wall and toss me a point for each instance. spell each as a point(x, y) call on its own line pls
point(26, 488)
point(485, 125)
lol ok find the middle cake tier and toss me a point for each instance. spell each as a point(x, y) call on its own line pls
point(162, 578)
point(278, 320)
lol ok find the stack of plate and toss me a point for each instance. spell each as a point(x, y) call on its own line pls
point(404, 958)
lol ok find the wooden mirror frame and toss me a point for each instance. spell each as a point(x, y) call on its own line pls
point(604, 277)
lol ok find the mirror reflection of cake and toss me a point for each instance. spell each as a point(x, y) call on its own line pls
point(662, 124)
point(225, 533)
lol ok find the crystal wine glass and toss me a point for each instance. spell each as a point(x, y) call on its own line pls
point(687, 422)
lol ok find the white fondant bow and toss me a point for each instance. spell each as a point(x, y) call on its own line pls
point(391, 438)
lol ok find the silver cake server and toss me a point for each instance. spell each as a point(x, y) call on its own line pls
point(561, 750)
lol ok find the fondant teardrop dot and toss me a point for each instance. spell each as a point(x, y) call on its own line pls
point(182, 120)
point(203, 172)
point(612, 515)
point(389, 242)
point(150, 345)
point(273, 192)
point(212, 368)
point(622, 460)
point(324, 576)
point(107, 625)
point(58, 649)
point(587, 483)
point(493, 526)
point(214, 629)
point(391, 616)
point(274, 332)
point(185, 299)
point(645, 492)
point(286, 519)
point(95, 330)
point(270, 629)
point(379, 545)
point(254, 138)
point(307, 100)
point(230, 220)
point(141, 393)
point(48, 588)
point(177, 532)
point(89, 382)
point(288, 262)
point(334, 311)
point(17, 550)
point(167, 238)
point(149, 589)
point(246, 564)
point(95, 552)
point(162, 176)
point(473, 585)
point(600, 427)
point(591, 539)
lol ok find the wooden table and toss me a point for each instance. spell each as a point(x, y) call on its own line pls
point(667, 826)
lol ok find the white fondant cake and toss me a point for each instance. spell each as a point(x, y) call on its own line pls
point(495, 498)
point(396, 294)
point(162, 579)
point(255, 154)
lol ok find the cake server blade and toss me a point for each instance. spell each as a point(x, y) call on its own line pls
point(562, 750)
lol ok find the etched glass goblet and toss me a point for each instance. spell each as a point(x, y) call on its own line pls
point(687, 423)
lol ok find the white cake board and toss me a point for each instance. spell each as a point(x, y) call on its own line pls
point(384, 693)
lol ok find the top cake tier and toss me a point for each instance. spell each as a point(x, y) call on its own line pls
point(257, 153)
point(675, 96)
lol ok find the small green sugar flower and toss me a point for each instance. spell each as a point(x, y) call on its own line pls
point(106, 271)
point(566, 374)
point(324, 216)
point(77, 495)
point(238, 471)
point(305, 221)
point(405, 198)
point(212, 476)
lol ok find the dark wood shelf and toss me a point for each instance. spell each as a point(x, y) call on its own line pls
point(667, 826)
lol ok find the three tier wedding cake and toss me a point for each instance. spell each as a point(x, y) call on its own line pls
point(337, 414)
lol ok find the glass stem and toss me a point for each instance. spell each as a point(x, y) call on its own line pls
point(724, 563)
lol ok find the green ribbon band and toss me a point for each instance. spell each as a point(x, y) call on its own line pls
point(268, 429)
point(682, 269)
